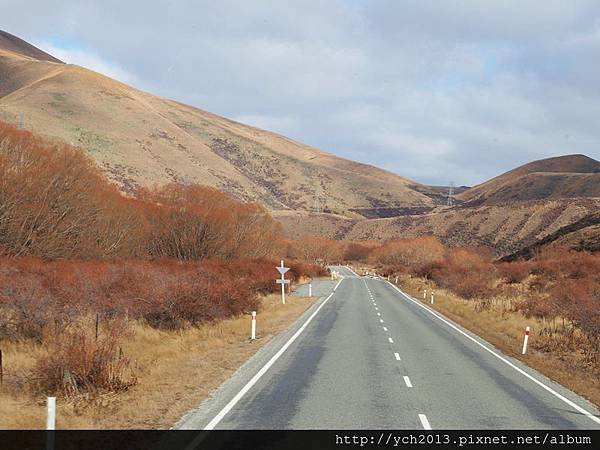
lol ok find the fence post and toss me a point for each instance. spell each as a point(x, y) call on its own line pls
point(97, 320)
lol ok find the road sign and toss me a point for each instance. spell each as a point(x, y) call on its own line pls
point(282, 281)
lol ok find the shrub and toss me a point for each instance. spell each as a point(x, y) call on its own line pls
point(76, 362)
point(411, 253)
point(355, 251)
point(513, 272)
point(55, 203)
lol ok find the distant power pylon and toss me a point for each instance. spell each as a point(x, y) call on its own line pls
point(451, 194)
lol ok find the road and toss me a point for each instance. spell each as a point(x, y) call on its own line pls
point(370, 357)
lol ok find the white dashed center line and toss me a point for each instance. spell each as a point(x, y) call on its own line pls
point(407, 381)
point(424, 422)
point(391, 340)
point(379, 314)
point(381, 320)
point(384, 328)
point(397, 355)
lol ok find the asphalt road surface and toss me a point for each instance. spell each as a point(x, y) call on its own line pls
point(370, 357)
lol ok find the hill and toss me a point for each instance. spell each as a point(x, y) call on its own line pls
point(560, 177)
point(140, 140)
point(10, 43)
point(505, 228)
point(583, 234)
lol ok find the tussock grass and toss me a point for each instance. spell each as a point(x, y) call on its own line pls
point(175, 370)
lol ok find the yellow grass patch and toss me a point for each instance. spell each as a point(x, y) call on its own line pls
point(175, 371)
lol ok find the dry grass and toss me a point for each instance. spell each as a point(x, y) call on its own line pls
point(497, 322)
point(175, 371)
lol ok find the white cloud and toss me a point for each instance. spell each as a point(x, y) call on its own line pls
point(89, 60)
point(460, 89)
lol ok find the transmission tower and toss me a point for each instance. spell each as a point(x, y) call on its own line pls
point(451, 194)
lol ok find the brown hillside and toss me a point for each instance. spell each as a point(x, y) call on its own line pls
point(561, 177)
point(506, 228)
point(13, 44)
point(583, 234)
point(140, 140)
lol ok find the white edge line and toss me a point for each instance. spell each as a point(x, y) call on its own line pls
point(424, 422)
point(215, 421)
point(407, 381)
point(504, 360)
point(352, 271)
point(338, 283)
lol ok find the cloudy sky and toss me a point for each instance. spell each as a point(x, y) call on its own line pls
point(433, 90)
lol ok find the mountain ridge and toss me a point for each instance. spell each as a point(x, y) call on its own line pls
point(567, 176)
point(142, 140)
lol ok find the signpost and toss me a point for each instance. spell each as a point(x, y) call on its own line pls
point(282, 270)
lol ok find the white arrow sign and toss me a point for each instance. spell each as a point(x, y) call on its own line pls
point(283, 270)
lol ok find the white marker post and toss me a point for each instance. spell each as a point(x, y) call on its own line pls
point(525, 339)
point(425, 294)
point(432, 297)
point(253, 335)
point(396, 280)
point(51, 415)
point(282, 270)
point(310, 289)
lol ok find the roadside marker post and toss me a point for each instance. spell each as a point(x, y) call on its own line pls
point(525, 339)
point(50, 422)
point(51, 415)
point(425, 294)
point(282, 270)
point(253, 336)
point(396, 280)
point(432, 297)
point(310, 289)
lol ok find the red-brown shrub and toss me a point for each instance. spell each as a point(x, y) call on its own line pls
point(411, 253)
point(55, 203)
point(356, 251)
point(513, 272)
point(468, 273)
point(167, 293)
point(77, 361)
